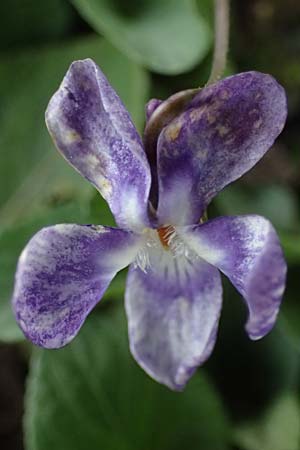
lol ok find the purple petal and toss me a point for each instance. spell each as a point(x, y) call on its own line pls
point(92, 129)
point(224, 132)
point(158, 115)
point(61, 275)
point(151, 107)
point(247, 250)
point(173, 312)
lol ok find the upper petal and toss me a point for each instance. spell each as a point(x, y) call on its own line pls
point(151, 107)
point(158, 115)
point(173, 312)
point(94, 132)
point(247, 250)
point(223, 133)
point(62, 273)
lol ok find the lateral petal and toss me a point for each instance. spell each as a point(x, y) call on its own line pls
point(247, 250)
point(62, 273)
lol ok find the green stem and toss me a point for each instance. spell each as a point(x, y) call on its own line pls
point(221, 40)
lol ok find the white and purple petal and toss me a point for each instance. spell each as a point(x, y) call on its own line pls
point(62, 273)
point(92, 129)
point(247, 250)
point(173, 313)
point(224, 131)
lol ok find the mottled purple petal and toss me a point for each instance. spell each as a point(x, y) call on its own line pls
point(158, 115)
point(247, 250)
point(61, 275)
point(223, 133)
point(151, 107)
point(173, 312)
point(94, 132)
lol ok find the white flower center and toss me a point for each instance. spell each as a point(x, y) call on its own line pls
point(162, 245)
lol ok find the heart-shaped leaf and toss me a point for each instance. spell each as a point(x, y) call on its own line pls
point(278, 429)
point(91, 395)
point(167, 36)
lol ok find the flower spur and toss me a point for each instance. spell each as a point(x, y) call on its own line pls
point(173, 293)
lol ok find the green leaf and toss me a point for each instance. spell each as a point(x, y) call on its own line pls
point(31, 170)
point(96, 397)
point(289, 318)
point(291, 245)
point(167, 36)
point(289, 322)
point(206, 8)
point(278, 429)
point(48, 20)
point(278, 203)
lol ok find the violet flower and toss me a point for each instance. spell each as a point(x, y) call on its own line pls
point(173, 293)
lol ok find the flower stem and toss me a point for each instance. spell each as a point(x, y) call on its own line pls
point(221, 40)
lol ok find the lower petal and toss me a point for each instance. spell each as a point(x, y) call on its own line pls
point(247, 250)
point(62, 273)
point(173, 312)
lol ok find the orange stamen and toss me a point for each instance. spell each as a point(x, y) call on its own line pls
point(164, 235)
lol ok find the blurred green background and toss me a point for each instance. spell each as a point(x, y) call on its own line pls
point(91, 394)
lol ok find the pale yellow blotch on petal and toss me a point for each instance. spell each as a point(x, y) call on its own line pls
point(172, 131)
point(216, 104)
point(202, 154)
point(105, 186)
point(92, 161)
point(94, 166)
point(196, 114)
point(70, 136)
point(211, 118)
point(184, 304)
point(222, 130)
point(204, 111)
point(65, 136)
point(99, 228)
point(213, 110)
point(258, 123)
